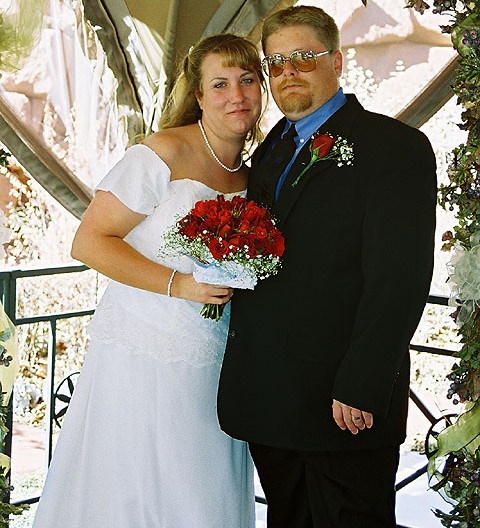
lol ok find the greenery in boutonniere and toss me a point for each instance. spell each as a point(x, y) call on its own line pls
point(327, 147)
point(456, 464)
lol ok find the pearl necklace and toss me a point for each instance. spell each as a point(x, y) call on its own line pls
point(212, 152)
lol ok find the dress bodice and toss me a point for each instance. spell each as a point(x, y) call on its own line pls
point(143, 322)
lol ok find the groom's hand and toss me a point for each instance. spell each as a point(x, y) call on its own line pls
point(350, 418)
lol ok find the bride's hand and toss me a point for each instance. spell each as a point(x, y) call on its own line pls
point(184, 286)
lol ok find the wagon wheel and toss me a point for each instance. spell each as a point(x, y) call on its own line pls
point(62, 397)
point(435, 429)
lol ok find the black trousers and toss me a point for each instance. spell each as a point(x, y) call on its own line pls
point(345, 489)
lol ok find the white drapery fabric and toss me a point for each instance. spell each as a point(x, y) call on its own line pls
point(62, 102)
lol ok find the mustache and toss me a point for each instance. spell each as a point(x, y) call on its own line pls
point(286, 83)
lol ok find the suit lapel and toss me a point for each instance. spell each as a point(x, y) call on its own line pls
point(260, 184)
point(288, 194)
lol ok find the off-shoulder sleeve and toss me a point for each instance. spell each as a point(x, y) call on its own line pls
point(139, 180)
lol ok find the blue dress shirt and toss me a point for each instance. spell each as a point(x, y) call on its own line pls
point(307, 126)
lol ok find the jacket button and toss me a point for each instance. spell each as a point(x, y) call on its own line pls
point(232, 334)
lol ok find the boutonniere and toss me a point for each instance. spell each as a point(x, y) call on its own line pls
point(328, 147)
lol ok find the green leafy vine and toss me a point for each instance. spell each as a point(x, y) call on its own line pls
point(456, 467)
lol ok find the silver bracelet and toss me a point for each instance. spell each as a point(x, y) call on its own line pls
point(169, 287)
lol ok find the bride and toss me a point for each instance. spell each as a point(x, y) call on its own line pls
point(140, 446)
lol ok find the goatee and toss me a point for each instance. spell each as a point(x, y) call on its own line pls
point(291, 101)
point(294, 103)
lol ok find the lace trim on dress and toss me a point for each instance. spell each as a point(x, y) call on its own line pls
point(188, 338)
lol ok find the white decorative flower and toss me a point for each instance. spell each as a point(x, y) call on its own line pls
point(465, 273)
point(464, 279)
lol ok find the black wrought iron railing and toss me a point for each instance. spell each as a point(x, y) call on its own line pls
point(63, 391)
point(8, 295)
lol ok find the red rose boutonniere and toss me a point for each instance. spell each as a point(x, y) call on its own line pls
point(327, 147)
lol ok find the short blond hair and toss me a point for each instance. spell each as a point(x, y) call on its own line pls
point(322, 23)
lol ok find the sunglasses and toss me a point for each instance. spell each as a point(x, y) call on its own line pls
point(304, 61)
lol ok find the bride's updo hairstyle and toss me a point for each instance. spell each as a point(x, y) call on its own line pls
point(182, 107)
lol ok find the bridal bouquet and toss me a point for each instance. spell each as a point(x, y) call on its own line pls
point(233, 243)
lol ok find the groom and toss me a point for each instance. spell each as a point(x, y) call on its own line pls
point(316, 370)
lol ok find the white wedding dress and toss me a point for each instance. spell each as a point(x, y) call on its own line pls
point(140, 446)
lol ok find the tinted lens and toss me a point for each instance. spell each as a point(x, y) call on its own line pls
point(304, 62)
point(273, 66)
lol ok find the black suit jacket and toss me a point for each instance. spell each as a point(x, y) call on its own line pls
point(337, 320)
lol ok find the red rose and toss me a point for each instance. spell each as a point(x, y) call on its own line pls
point(253, 212)
point(201, 208)
point(225, 230)
point(259, 232)
point(237, 241)
point(277, 245)
point(237, 205)
point(224, 216)
point(252, 251)
point(205, 231)
point(211, 217)
point(244, 226)
point(218, 248)
point(191, 228)
point(323, 144)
